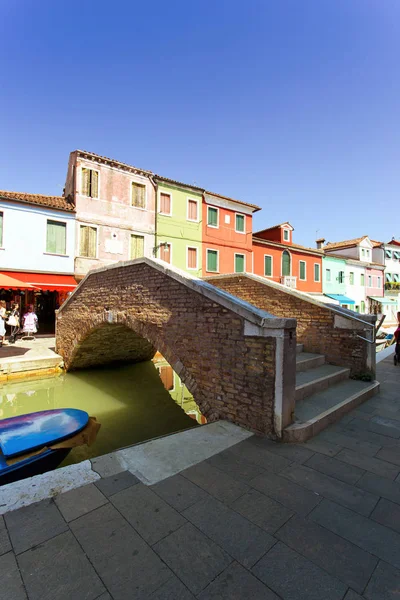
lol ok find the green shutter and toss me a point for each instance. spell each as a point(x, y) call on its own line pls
point(328, 274)
point(137, 246)
point(362, 306)
point(1, 229)
point(85, 182)
point(240, 223)
point(285, 263)
point(316, 272)
point(268, 266)
point(212, 260)
point(138, 195)
point(212, 218)
point(239, 263)
point(56, 237)
point(302, 270)
point(94, 184)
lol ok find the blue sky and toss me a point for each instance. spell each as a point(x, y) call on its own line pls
point(289, 104)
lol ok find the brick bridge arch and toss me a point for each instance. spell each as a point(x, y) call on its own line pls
point(238, 361)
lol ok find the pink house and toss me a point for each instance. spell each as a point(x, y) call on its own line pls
point(374, 287)
point(115, 210)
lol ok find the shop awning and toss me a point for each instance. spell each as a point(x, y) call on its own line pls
point(11, 283)
point(341, 298)
point(383, 300)
point(321, 298)
point(42, 281)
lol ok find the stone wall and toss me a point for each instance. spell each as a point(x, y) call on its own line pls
point(321, 329)
point(126, 311)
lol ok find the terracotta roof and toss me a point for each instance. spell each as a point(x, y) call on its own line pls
point(375, 243)
point(288, 246)
point(344, 244)
point(274, 227)
point(256, 208)
point(112, 161)
point(58, 202)
point(394, 242)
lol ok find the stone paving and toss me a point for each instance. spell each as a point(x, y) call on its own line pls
point(316, 521)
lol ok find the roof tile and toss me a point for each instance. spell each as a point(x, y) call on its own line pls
point(57, 202)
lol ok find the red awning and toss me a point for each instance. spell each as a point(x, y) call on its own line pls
point(11, 283)
point(40, 281)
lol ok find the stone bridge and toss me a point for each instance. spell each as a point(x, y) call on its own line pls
point(237, 360)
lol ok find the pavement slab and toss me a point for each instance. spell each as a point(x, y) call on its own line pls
point(78, 502)
point(262, 511)
point(380, 486)
point(128, 567)
point(251, 451)
point(335, 468)
point(116, 483)
point(220, 485)
point(243, 540)
point(384, 584)
point(233, 465)
point(293, 452)
point(34, 524)
point(59, 569)
point(179, 492)
point(11, 586)
point(193, 557)
point(236, 583)
point(387, 513)
point(5, 544)
point(148, 514)
point(173, 589)
point(293, 577)
point(369, 463)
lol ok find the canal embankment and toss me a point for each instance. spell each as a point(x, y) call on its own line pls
point(29, 358)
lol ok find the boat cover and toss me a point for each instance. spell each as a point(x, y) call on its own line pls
point(36, 430)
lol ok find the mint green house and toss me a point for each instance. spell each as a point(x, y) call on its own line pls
point(333, 279)
point(178, 234)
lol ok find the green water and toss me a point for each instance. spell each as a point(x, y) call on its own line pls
point(130, 402)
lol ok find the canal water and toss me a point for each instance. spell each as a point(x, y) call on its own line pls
point(133, 403)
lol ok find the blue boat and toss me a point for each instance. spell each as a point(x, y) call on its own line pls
point(25, 441)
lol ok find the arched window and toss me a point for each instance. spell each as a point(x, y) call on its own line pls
point(285, 263)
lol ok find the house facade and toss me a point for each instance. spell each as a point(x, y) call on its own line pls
point(333, 278)
point(276, 257)
point(391, 304)
point(37, 245)
point(115, 210)
point(227, 227)
point(178, 237)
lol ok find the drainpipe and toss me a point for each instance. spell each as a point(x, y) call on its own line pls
point(155, 185)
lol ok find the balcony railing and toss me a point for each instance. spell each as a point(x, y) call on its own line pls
point(289, 281)
point(392, 285)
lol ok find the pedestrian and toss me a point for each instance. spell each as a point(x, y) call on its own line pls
point(29, 321)
point(3, 317)
point(13, 322)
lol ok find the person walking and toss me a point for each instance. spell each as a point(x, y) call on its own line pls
point(3, 317)
point(13, 321)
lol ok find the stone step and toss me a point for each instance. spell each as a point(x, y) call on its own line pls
point(318, 379)
point(307, 360)
point(299, 348)
point(315, 413)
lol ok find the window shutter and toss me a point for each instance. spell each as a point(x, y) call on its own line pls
point(192, 258)
point(167, 377)
point(92, 242)
point(165, 203)
point(56, 237)
point(240, 223)
point(1, 229)
point(285, 263)
point(316, 272)
point(212, 260)
point(94, 184)
point(192, 212)
point(239, 263)
point(268, 266)
point(85, 182)
point(212, 216)
point(302, 270)
point(137, 246)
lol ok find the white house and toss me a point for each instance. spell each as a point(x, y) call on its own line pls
point(37, 244)
point(392, 280)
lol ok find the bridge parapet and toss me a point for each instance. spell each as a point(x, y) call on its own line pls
point(237, 360)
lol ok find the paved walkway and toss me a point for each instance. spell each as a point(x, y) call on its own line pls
point(317, 521)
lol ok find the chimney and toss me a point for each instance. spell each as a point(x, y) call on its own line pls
point(320, 243)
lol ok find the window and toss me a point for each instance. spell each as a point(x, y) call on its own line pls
point(388, 253)
point(212, 261)
point(379, 282)
point(267, 265)
point(56, 240)
point(88, 241)
point(212, 216)
point(286, 235)
point(396, 255)
point(316, 272)
point(138, 195)
point(192, 212)
point(351, 278)
point(165, 203)
point(362, 306)
point(367, 253)
point(362, 279)
point(239, 263)
point(388, 277)
point(286, 264)
point(341, 277)
point(165, 252)
point(1, 229)
point(362, 252)
point(396, 277)
point(357, 308)
point(369, 280)
point(303, 270)
point(167, 377)
point(90, 183)
point(328, 274)
point(137, 246)
point(192, 258)
point(239, 223)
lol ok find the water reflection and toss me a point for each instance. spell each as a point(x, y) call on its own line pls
point(133, 402)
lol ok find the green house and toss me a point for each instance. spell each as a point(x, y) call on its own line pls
point(179, 225)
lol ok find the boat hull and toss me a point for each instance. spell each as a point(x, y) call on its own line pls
point(34, 465)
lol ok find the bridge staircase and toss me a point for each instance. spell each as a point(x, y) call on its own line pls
point(324, 393)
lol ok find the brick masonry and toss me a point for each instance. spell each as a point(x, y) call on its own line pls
point(319, 328)
point(125, 313)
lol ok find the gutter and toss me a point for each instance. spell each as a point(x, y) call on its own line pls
point(155, 185)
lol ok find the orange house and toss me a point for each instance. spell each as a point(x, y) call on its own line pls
point(227, 235)
point(278, 259)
